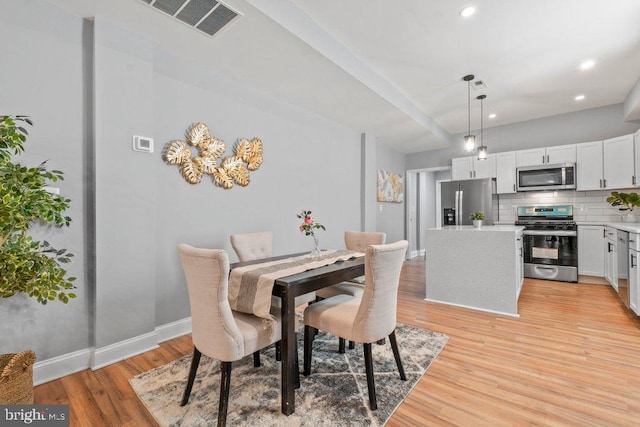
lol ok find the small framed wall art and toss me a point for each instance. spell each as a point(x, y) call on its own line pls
point(390, 187)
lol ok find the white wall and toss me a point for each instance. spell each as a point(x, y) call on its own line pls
point(41, 75)
point(144, 208)
point(391, 216)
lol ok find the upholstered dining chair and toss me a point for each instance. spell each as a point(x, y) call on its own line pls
point(354, 241)
point(218, 331)
point(365, 319)
point(253, 246)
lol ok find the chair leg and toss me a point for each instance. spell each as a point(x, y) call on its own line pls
point(297, 379)
point(340, 345)
point(225, 384)
point(195, 361)
point(352, 345)
point(256, 359)
point(371, 385)
point(278, 351)
point(396, 355)
point(309, 334)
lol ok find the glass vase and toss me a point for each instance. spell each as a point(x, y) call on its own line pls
point(315, 252)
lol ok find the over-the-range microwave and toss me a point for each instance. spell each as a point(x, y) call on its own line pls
point(547, 177)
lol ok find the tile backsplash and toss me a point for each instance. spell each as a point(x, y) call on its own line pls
point(587, 205)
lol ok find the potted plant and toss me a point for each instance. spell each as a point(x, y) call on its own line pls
point(28, 266)
point(625, 202)
point(477, 217)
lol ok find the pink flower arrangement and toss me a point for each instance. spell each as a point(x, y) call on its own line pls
point(308, 225)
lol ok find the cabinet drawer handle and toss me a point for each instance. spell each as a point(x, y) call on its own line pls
point(633, 180)
point(604, 183)
point(632, 264)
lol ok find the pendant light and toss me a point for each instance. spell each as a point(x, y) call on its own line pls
point(482, 149)
point(469, 140)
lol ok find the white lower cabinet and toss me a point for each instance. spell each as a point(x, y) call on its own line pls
point(634, 275)
point(590, 253)
point(610, 257)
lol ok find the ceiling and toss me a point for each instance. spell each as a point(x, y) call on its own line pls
point(394, 69)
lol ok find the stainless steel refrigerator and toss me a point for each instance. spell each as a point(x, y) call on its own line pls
point(459, 198)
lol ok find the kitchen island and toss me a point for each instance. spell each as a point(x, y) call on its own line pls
point(478, 268)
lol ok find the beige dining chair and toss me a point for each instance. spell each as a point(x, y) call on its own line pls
point(354, 241)
point(254, 246)
point(365, 319)
point(218, 331)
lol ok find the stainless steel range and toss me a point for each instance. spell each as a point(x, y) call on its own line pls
point(550, 242)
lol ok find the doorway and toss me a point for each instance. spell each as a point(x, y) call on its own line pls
point(421, 207)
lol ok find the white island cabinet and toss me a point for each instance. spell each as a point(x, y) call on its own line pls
point(478, 268)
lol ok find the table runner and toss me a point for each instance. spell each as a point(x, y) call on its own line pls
point(250, 286)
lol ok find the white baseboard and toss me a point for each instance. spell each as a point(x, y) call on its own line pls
point(473, 308)
point(422, 252)
point(174, 329)
point(59, 366)
point(70, 363)
point(124, 349)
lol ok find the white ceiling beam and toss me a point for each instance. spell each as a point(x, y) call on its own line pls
point(301, 26)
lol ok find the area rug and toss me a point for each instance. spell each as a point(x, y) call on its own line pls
point(335, 394)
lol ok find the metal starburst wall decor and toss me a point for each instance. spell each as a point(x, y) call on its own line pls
point(224, 171)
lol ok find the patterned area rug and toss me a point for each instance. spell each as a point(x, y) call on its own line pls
point(335, 394)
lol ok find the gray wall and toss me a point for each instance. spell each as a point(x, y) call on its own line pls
point(582, 126)
point(42, 76)
point(392, 217)
point(144, 208)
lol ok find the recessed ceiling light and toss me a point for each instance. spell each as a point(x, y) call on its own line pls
point(492, 116)
point(588, 64)
point(467, 11)
point(579, 98)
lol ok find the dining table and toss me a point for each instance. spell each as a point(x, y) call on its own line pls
point(288, 288)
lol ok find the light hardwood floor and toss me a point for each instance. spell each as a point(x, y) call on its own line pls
point(572, 358)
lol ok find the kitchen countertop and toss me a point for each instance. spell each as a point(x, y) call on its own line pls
point(502, 227)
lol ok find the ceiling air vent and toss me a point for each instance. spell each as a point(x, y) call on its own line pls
point(478, 84)
point(208, 16)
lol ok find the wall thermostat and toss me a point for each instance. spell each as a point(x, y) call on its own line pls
point(142, 143)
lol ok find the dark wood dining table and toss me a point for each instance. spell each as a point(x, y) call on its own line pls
point(288, 288)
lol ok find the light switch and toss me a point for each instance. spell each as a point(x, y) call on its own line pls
point(380, 208)
point(142, 143)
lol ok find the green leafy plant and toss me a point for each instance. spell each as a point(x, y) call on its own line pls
point(477, 215)
point(625, 201)
point(28, 265)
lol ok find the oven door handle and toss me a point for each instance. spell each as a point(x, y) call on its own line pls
point(549, 233)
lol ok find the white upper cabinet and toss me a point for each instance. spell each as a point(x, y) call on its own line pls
point(561, 154)
point(462, 168)
point(472, 168)
point(589, 166)
point(606, 165)
point(618, 162)
point(506, 172)
point(547, 156)
point(533, 157)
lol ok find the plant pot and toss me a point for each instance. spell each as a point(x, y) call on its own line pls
point(477, 223)
point(629, 217)
point(16, 378)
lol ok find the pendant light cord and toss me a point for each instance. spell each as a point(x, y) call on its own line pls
point(469, 104)
point(481, 122)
